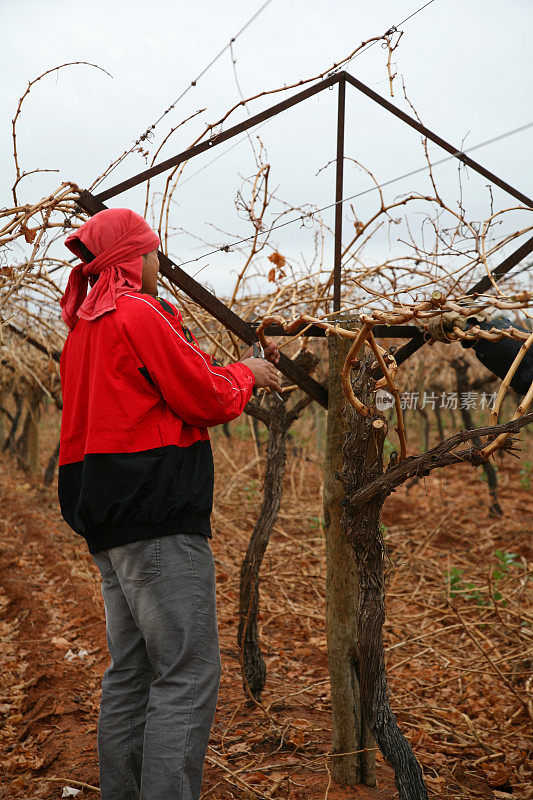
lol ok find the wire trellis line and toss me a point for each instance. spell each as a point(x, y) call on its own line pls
point(391, 30)
point(193, 83)
point(226, 248)
point(229, 45)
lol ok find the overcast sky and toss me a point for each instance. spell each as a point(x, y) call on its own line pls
point(466, 65)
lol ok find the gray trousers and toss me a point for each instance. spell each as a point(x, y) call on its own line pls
point(160, 691)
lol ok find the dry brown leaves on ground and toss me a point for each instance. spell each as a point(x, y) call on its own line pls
point(458, 637)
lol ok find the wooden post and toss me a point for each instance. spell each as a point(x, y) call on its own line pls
point(342, 595)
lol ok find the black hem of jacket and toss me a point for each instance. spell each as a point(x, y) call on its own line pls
point(134, 532)
point(113, 499)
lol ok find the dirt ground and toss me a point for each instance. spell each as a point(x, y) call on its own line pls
point(458, 664)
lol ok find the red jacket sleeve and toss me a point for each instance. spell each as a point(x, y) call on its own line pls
point(199, 392)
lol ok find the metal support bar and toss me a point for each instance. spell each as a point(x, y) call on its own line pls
point(404, 352)
point(55, 354)
point(379, 331)
point(225, 315)
point(340, 77)
point(481, 286)
point(218, 139)
point(338, 195)
point(502, 269)
point(217, 309)
point(438, 140)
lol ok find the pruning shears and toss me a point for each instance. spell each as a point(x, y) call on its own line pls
point(258, 352)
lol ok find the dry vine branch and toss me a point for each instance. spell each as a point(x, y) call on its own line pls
point(507, 380)
point(442, 455)
point(278, 420)
point(500, 440)
point(18, 112)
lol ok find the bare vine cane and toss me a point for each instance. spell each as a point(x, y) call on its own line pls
point(389, 378)
point(351, 361)
point(507, 380)
point(500, 440)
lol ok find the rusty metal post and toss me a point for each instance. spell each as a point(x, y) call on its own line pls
point(338, 195)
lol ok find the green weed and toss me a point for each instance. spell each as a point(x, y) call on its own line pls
point(459, 587)
point(525, 475)
point(251, 487)
point(388, 447)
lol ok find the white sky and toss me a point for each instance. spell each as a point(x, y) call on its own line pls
point(467, 67)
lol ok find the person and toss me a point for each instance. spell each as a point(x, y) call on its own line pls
point(496, 356)
point(136, 481)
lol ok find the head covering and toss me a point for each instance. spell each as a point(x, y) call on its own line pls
point(117, 237)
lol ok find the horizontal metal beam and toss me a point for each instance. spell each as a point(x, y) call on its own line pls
point(379, 331)
point(186, 155)
point(454, 151)
point(221, 312)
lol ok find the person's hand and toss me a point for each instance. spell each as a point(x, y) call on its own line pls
point(272, 353)
point(265, 374)
point(440, 327)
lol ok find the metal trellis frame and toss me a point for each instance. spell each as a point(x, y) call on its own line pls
point(245, 330)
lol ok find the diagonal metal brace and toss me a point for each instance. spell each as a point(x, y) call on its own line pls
point(219, 310)
point(54, 354)
point(434, 137)
point(217, 139)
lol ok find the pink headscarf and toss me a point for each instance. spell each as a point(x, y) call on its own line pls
point(117, 237)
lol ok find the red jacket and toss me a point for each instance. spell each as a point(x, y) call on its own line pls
point(138, 396)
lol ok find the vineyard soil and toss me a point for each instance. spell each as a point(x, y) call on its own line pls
point(456, 636)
